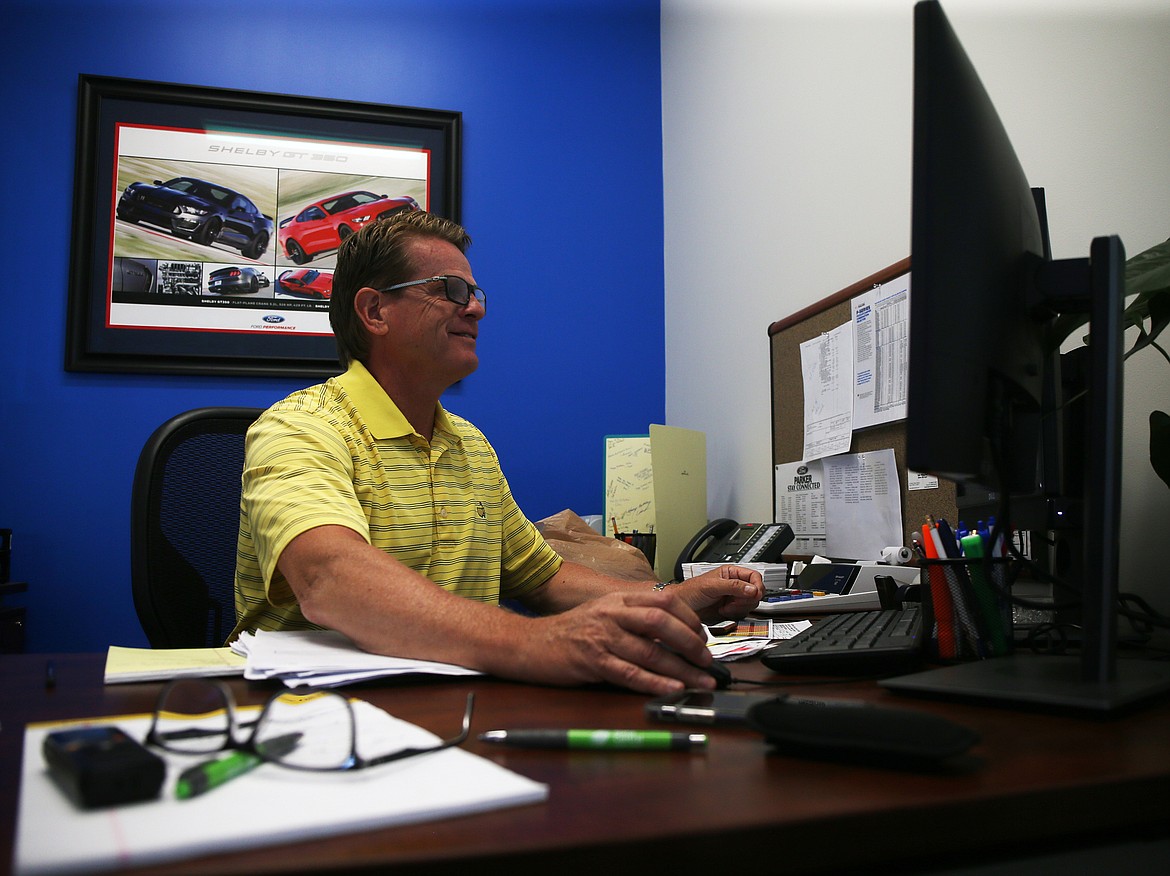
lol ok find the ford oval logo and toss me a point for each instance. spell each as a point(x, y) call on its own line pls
point(272, 317)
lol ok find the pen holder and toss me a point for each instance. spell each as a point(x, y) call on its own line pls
point(644, 541)
point(967, 612)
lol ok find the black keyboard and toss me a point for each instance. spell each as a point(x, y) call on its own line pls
point(854, 643)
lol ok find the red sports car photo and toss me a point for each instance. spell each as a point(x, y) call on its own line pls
point(306, 282)
point(322, 226)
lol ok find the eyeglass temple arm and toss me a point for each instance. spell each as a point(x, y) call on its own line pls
point(197, 732)
point(446, 743)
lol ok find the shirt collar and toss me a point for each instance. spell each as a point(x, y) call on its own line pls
point(379, 412)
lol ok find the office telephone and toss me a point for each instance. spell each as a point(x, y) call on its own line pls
point(727, 541)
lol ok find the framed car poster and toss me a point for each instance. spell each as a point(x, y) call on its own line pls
point(207, 221)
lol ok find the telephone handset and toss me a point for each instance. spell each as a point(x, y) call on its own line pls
point(726, 541)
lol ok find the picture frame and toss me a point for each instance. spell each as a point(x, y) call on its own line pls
point(207, 220)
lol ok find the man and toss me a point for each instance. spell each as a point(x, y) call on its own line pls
point(369, 509)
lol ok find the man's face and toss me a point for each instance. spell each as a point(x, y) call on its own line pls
point(429, 335)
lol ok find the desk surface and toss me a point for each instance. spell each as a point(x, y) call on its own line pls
point(1035, 782)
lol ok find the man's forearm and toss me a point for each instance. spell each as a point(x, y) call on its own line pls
point(343, 583)
point(574, 584)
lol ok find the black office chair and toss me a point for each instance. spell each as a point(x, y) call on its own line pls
point(184, 520)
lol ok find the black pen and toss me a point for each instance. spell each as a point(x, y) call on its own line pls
point(598, 740)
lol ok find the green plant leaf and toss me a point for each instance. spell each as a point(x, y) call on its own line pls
point(1149, 271)
point(1160, 444)
point(1147, 291)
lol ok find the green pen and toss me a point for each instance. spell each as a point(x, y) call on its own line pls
point(202, 777)
point(984, 595)
point(598, 740)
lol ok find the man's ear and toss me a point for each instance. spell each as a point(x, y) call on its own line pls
point(367, 304)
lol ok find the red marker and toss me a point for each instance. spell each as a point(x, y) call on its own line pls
point(939, 596)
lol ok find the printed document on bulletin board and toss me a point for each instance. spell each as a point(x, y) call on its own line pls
point(863, 507)
point(826, 364)
point(881, 353)
point(846, 506)
point(800, 502)
point(629, 483)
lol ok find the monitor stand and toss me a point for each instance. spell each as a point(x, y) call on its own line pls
point(1041, 680)
point(1095, 680)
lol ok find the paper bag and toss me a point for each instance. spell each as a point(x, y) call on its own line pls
point(578, 542)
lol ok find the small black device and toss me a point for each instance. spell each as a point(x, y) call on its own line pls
point(102, 766)
point(705, 707)
point(842, 729)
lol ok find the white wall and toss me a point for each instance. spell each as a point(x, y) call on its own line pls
point(786, 132)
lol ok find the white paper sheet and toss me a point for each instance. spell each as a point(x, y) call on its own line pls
point(800, 502)
point(826, 364)
point(881, 353)
point(863, 504)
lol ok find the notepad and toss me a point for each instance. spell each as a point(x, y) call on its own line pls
point(268, 805)
point(151, 664)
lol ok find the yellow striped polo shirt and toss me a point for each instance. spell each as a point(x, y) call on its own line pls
point(342, 453)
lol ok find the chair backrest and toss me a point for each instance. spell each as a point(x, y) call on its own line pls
point(184, 522)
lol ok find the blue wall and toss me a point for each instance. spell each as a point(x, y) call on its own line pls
point(562, 193)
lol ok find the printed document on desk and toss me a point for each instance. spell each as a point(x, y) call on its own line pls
point(325, 658)
point(751, 636)
point(269, 805)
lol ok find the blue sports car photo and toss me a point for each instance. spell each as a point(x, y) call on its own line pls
point(201, 211)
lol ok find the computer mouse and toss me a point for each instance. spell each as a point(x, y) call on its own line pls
point(716, 670)
point(720, 673)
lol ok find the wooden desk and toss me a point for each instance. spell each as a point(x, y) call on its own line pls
point(1036, 782)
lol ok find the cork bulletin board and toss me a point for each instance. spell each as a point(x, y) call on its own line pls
point(786, 336)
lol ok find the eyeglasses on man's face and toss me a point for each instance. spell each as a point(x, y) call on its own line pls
point(314, 730)
point(456, 289)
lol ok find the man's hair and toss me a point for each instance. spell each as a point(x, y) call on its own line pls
point(378, 256)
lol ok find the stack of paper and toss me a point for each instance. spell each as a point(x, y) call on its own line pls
point(775, 575)
point(324, 658)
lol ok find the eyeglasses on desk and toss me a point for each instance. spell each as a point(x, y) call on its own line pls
point(200, 716)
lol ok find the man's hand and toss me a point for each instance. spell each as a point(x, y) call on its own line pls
point(648, 641)
point(726, 593)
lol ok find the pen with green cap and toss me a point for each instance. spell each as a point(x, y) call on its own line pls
point(598, 740)
point(202, 777)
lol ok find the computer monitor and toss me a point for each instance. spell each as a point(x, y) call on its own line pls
point(984, 402)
